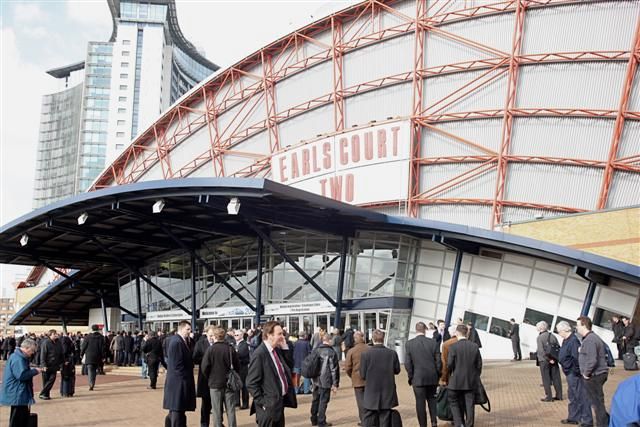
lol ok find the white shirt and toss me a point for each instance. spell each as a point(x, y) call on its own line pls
point(273, 356)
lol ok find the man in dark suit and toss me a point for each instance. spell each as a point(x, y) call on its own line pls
point(243, 355)
point(514, 334)
point(378, 366)
point(152, 348)
point(202, 389)
point(423, 364)
point(465, 366)
point(269, 378)
point(179, 386)
point(92, 349)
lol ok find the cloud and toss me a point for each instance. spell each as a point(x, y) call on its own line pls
point(35, 32)
point(28, 13)
point(92, 13)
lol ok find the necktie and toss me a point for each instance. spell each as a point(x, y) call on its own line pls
point(285, 385)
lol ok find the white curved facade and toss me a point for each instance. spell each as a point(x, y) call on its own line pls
point(512, 110)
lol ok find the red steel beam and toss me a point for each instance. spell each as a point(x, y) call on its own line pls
point(416, 126)
point(337, 56)
point(618, 128)
point(507, 123)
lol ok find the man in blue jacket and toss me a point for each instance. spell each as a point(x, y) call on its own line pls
point(17, 384)
point(579, 404)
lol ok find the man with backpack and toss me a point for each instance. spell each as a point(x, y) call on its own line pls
point(548, 353)
point(593, 367)
point(325, 381)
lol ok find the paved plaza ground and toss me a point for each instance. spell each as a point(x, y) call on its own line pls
point(121, 400)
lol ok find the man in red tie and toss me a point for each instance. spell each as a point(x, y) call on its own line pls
point(269, 378)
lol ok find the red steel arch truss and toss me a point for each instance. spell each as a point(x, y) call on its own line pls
point(243, 90)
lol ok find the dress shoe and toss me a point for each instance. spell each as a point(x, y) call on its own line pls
point(546, 399)
point(568, 421)
point(557, 398)
point(90, 388)
point(150, 388)
point(44, 397)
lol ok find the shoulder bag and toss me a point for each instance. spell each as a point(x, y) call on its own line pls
point(234, 382)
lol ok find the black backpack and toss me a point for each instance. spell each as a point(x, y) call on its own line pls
point(552, 349)
point(312, 365)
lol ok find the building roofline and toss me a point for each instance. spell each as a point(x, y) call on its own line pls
point(174, 29)
point(66, 70)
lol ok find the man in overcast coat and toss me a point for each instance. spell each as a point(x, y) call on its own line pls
point(179, 386)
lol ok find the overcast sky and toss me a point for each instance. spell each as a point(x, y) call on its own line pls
point(39, 35)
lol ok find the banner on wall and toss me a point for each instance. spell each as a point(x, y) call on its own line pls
point(226, 312)
point(298, 307)
point(359, 166)
point(157, 316)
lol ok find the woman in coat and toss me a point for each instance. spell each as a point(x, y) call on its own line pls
point(17, 384)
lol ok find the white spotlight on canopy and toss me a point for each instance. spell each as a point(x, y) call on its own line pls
point(158, 206)
point(234, 206)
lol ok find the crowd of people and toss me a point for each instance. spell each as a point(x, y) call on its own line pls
point(264, 370)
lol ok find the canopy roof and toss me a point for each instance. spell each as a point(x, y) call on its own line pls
point(120, 233)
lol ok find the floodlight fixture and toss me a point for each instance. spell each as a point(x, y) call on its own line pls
point(234, 206)
point(158, 206)
point(83, 218)
point(24, 239)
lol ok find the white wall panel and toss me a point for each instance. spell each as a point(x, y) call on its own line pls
point(153, 173)
point(516, 273)
point(432, 257)
point(429, 274)
point(625, 287)
point(589, 85)
point(241, 116)
point(490, 96)
point(615, 301)
point(548, 281)
point(301, 87)
point(634, 96)
point(426, 291)
point(512, 292)
point(204, 171)
point(306, 126)
point(190, 148)
point(518, 259)
point(258, 143)
point(482, 285)
point(407, 8)
point(233, 163)
point(553, 267)
point(592, 26)
point(630, 142)
point(392, 101)
point(387, 58)
point(573, 186)
point(569, 308)
point(485, 266)
point(472, 215)
point(479, 187)
point(542, 300)
point(493, 31)
point(575, 288)
point(486, 133)
point(568, 137)
point(625, 189)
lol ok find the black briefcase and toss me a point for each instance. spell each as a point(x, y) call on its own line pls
point(630, 361)
point(396, 419)
point(33, 420)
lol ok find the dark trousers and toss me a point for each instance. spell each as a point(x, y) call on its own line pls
point(621, 349)
point(244, 393)
point(92, 370)
point(321, 397)
point(205, 409)
point(359, 392)
point(153, 372)
point(426, 394)
point(517, 351)
point(177, 419)
point(462, 407)
point(377, 418)
point(264, 420)
point(579, 404)
point(550, 373)
point(48, 379)
point(19, 416)
point(596, 395)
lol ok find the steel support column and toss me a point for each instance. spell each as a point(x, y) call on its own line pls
point(105, 322)
point(454, 288)
point(343, 264)
point(139, 303)
point(194, 309)
point(64, 324)
point(337, 57)
point(588, 298)
point(291, 262)
point(259, 281)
